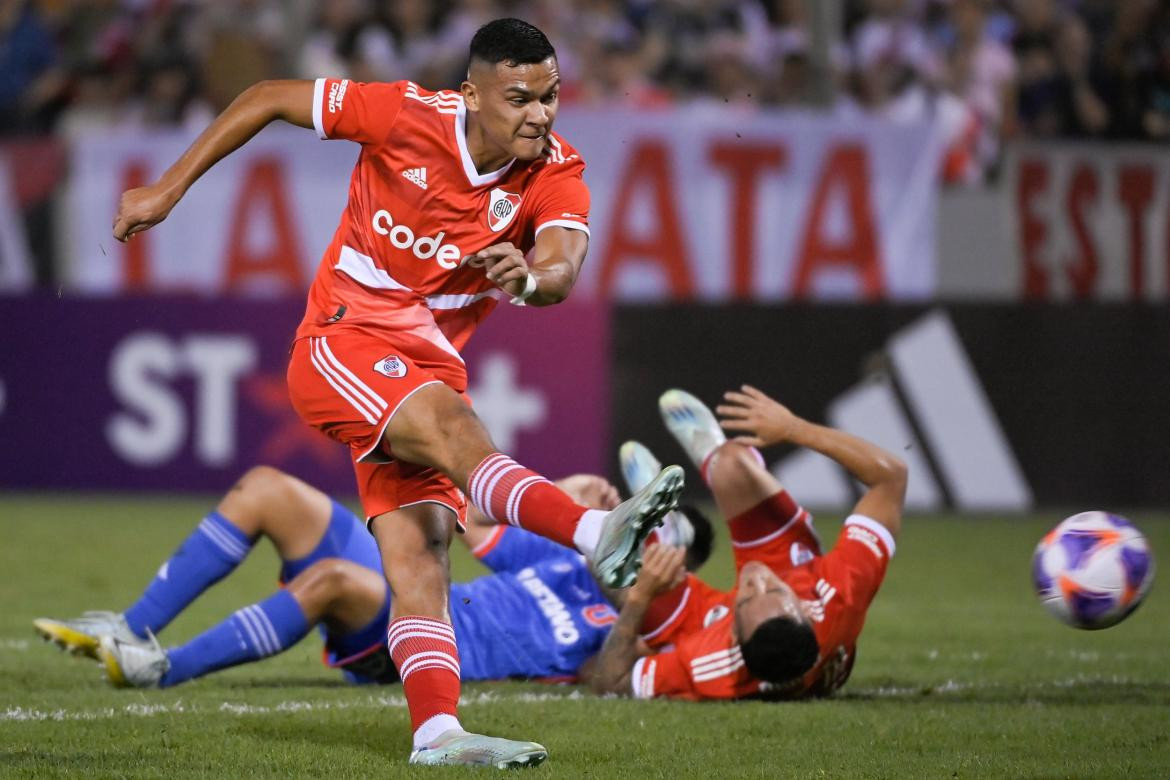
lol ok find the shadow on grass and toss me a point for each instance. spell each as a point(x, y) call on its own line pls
point(365, 733)
point(301, 682)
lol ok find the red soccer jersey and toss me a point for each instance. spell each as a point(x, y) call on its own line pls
point(700, 659)
point(418, 209)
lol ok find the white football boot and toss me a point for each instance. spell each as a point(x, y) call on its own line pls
point(639, 466)
point(80, 636)
point(691, 423)
point(462, 748)
point(619, 549)
point(133, 664)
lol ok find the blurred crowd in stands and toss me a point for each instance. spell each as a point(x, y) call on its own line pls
point(987, 70)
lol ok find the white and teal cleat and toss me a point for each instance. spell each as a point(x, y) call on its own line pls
point(462, 748)
point(619, 550)
point(638, 465)
point(81, 636)
point(691, 423)
point(133, 664)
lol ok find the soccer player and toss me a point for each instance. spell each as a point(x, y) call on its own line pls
point(453, 192)
point(540, 615)
point(789, 628)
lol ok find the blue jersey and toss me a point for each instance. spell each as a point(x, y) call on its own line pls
point(541, 614)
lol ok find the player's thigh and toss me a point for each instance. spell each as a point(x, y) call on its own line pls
point(292, 513)
point(436, 427)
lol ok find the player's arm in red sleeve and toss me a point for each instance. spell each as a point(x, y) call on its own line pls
point(561, 226)
point(662, 568)
point(761, 421)
point(260, 104)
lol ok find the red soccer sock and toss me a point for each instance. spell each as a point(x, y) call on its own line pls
point(424, 651)
point(507, 492)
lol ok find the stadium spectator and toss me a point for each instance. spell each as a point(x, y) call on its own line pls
point(1083, 67)
point(981, 71)
point(789, 628)
point(29, 79)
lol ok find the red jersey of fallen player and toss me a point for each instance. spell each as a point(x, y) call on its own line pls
point(418, 210)
point(700, 659)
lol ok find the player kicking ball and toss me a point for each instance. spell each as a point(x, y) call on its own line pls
point(789, 628)
point(539, 616)
point(452, 196)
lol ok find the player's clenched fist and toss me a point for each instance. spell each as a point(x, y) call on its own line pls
point(141, 208)
point(663, 567)
point(762, 420)
point(505, 266)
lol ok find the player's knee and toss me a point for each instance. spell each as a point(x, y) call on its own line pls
point(322, 583)
point(262, 483)
point(429, 550)
point(732, 463)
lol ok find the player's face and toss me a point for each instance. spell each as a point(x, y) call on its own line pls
point(760, 595)
point(514, 105)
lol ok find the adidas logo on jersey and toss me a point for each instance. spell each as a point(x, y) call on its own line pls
point(416, 176)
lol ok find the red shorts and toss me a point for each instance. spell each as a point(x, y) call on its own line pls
point(777, 532)
point(348, 386)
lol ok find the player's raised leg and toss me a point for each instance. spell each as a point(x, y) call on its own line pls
point(735, 472)
point(754, 502)
point(435, 427)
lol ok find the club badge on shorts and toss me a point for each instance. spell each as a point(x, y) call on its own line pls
point(391, 366)
point(502, 209)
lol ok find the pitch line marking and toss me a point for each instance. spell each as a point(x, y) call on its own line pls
point(137, 710)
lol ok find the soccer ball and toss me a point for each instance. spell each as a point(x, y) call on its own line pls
point(1093, 569)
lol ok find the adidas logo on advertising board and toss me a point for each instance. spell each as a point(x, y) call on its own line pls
point(928, 407)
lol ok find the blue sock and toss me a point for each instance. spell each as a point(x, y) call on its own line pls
point(250, 634)
point(208, 554)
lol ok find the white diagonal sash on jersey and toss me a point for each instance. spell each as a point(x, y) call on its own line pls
point(363, 270)
point(460, 300)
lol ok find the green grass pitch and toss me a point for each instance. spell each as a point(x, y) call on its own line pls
point(960, 674)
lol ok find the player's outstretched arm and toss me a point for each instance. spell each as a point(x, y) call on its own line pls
point(662, 568)
point(144, 207)
point(761, 421)
point(556, 261)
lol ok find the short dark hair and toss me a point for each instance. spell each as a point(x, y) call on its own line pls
point(700, 548)
point(780, 650)
point(512, 41)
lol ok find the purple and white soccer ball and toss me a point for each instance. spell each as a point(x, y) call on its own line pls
point(1093, 569)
